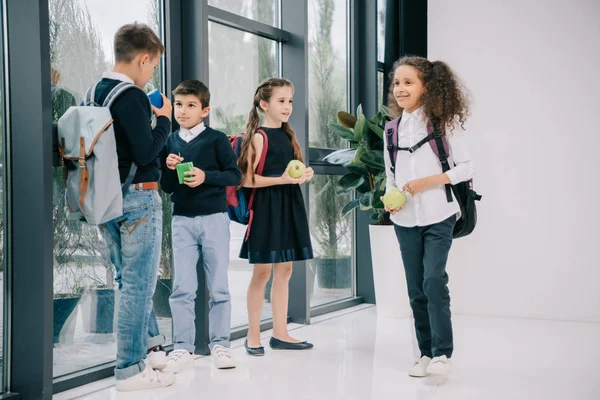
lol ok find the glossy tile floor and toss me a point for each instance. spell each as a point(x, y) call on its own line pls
point(359, 357)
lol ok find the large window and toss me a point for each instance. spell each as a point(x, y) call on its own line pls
point(234, 76)
point(85, 295)
point(265, 11)
point(381, 14)
point(328, 69)
point(331, 235)
point(3, 197)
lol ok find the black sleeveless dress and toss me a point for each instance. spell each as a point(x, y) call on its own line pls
point(279, 231)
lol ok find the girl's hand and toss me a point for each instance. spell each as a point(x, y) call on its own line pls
point(173, 160)
point(308, 174)
point(286, 179)
point(392, 211)
point(195, 178)
point(417, 186)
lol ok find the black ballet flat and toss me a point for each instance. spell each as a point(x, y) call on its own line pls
point(254, 351)
point(277, 344)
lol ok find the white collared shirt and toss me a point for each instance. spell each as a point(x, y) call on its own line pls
point(117, 76)
point(189, 134)
point(430, 206)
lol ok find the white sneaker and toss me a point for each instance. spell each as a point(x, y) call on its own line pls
point(147, 379)
point(439, 366)
point(419, 370)
point(222, 357)
point(179, 360)
point(157, 360)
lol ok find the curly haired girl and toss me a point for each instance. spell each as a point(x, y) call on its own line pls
point(427, 96)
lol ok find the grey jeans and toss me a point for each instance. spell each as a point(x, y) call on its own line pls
point(208, 234)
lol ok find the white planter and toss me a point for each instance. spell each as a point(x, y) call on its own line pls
point(391, 293)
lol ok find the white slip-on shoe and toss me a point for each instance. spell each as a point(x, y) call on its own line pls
point(439, 366)
point(179, 360)
point(222, 357)
point(419, 370)
point(147, 379)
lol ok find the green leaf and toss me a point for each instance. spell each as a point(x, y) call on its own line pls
point(358, 168)
point(385, 110)
point(376, 129)
point(359, 110)
point(364, 188)
point(349, 207)
point(340, 157)
point(377, 118)
point(359, 153)
point(349, 182)
point(373, 159)
point(359, 129)
point(365, 201)
point(344, 132)
point(346, 119)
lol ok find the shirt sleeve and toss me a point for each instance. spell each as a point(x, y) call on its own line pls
point(464, 167)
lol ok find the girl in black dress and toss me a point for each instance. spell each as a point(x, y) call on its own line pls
point(279, 232)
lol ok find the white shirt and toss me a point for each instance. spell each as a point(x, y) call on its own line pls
point(430, 206)
point(117, 76)
point(189, 134)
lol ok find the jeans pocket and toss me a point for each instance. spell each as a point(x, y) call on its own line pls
point(135, 226)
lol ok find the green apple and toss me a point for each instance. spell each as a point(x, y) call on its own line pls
point(394, 198)
point(296, 169)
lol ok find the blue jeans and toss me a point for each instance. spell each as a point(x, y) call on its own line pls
point(208, 234)
point(424, 254)
point(134, 244)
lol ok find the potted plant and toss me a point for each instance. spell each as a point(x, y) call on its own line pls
point(331, 231)
point(68, 276)
point(367, 177)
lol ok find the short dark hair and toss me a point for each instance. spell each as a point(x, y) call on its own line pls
point(196, 88)
point(133, 39)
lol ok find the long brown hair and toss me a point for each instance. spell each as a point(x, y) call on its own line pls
point(263, 92)
point(445, 101)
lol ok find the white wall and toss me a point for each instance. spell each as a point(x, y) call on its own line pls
point(534, 71)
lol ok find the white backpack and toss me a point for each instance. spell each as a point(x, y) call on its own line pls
point(88, 149)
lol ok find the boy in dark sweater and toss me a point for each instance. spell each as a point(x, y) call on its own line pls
point(200, 223)
point(134, 239)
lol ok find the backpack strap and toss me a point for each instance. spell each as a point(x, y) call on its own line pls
point(259, 171)
point(116, 92)
point(439, 145)
point(391, 129)
point(391, 132)
point(108, 102)
point(90, 95)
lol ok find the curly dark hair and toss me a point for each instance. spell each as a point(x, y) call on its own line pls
point(445, 101)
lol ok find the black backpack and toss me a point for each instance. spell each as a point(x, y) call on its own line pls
point(463, 191)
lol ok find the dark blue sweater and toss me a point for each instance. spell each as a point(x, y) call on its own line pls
point(210, 151)
point(136, 140)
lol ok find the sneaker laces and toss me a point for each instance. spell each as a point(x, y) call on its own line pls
point(221, 351)
point(175, 355)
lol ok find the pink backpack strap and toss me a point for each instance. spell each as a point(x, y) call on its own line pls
point(432, 142)
point(439, 145)
point(391, 133)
